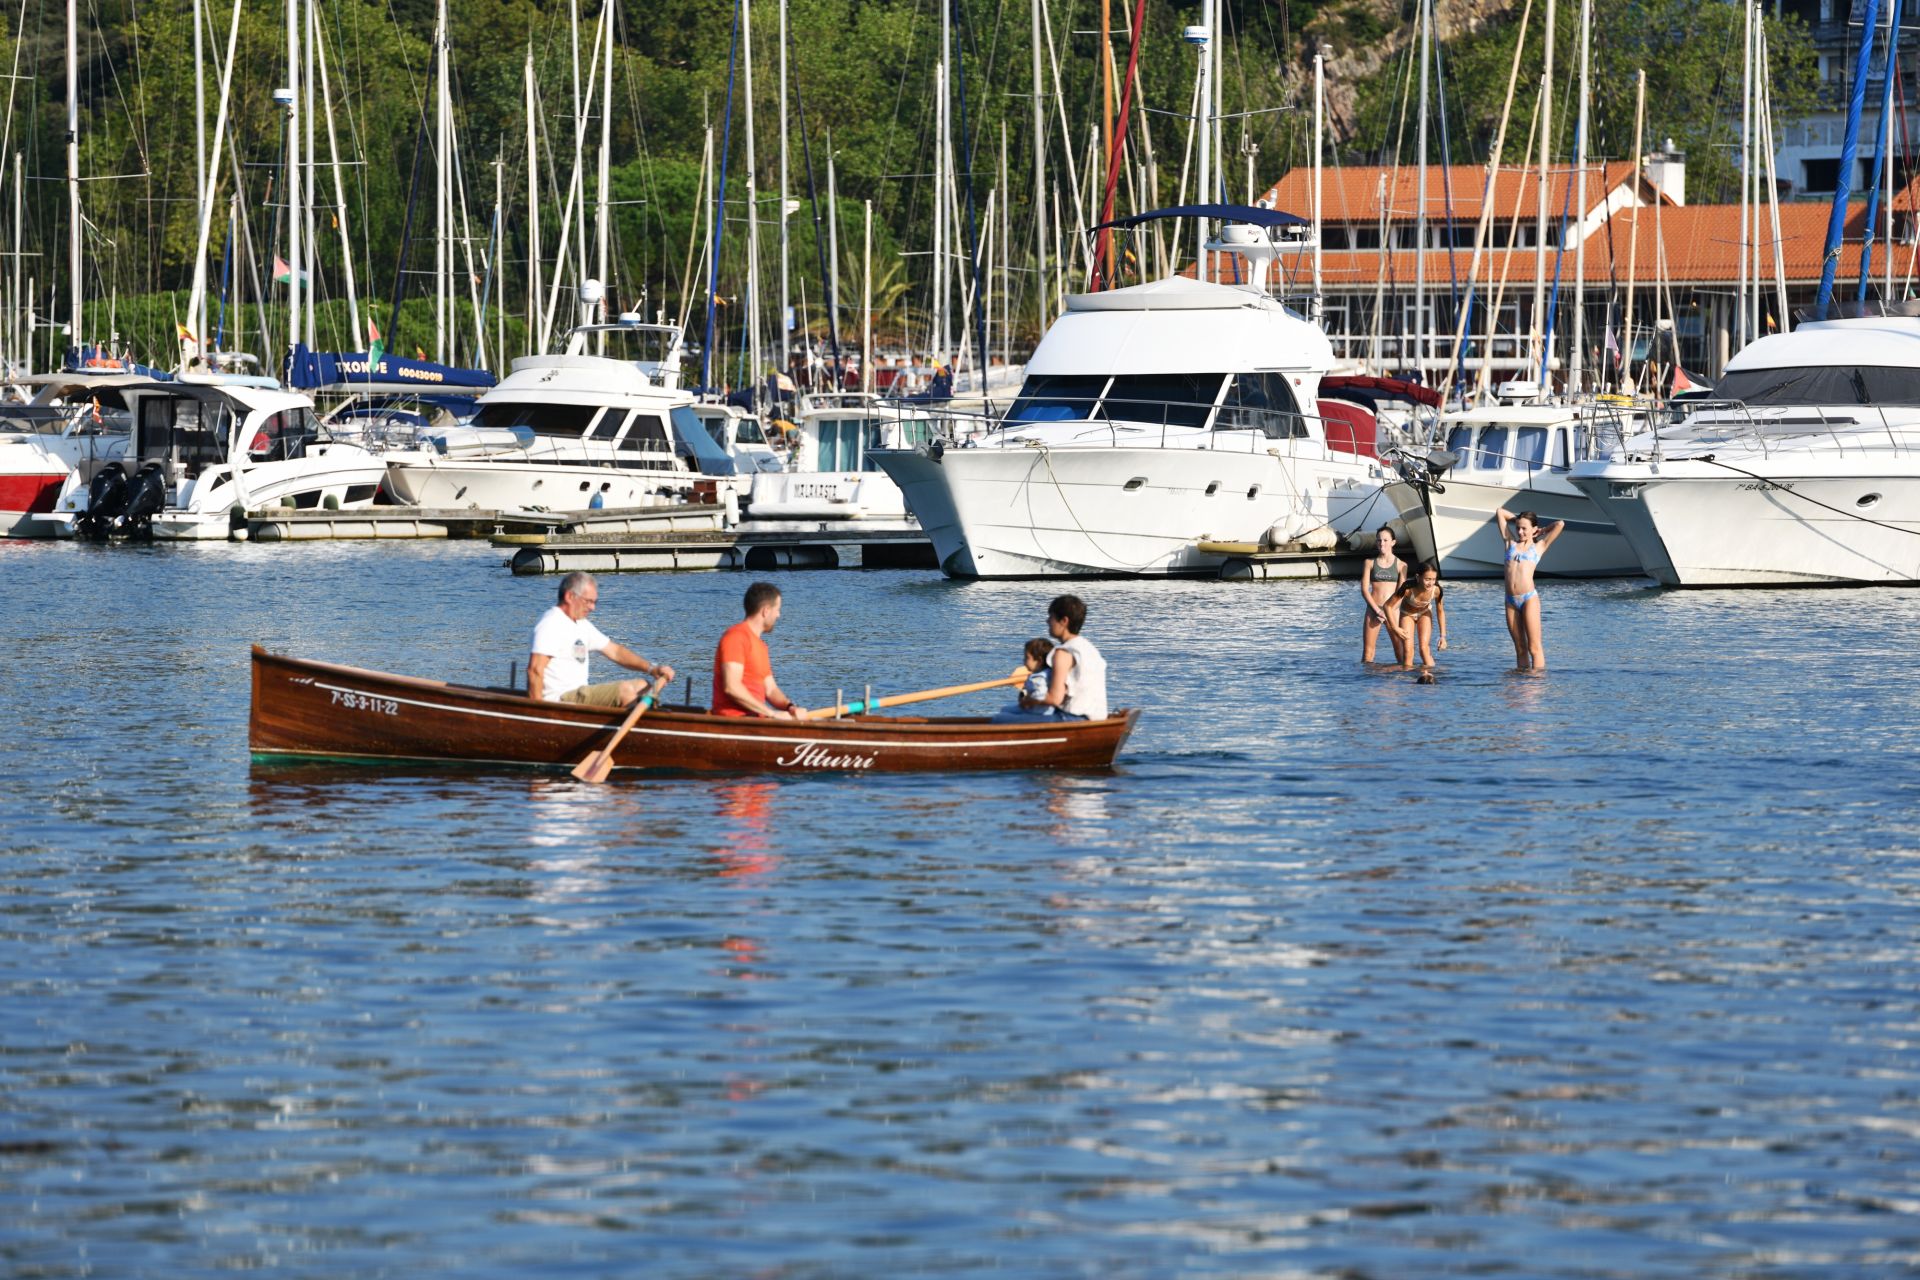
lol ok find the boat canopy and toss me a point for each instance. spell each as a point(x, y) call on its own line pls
point(353, 371)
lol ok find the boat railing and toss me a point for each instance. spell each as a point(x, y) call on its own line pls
point(1842, 429)
point(1136, 423)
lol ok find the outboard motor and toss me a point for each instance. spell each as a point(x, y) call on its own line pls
point(145, 498)
point(106, 500)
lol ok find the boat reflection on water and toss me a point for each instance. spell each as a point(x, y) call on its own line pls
point(746, 851)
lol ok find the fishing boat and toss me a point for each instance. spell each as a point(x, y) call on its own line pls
point(304, 710)
point(1155, 421)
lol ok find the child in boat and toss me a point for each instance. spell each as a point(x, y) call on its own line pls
point(1526, 543)
point(1034, 663)
point(1417, 612)
point(1380, 577)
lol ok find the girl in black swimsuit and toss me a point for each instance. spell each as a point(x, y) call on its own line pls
point(1382, 576)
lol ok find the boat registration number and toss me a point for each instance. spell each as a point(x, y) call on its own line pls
point(365, 702)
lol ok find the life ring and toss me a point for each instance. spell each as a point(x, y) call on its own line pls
point(262, 443)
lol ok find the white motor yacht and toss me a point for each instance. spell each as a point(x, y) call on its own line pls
point(574, 431)
point(1805, 469)
point(1154, 418)
point(1517, 456)
point(206, 447)
point(833, 472)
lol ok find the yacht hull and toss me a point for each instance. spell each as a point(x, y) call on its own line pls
point(497, 485)
point(1463, 535)
point(1698, 524)
point(1089, 512)
point(347, 475)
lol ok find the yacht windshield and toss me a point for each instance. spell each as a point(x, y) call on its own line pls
point(1261, 402)
point(1822, 385)
point(1057, 397)
point(566, 420)
point(1175, 399)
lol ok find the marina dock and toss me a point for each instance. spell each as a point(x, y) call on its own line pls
point(1247, 561)
point(755, 545)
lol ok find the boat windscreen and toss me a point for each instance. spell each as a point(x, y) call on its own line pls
point(1173, 399)
point(706, 456)
point(566, 420)
point(1822, 385)
point(1057, 397)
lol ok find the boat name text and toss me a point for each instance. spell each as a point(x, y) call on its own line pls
point(814, 755)
point(1766, 486)
point(365, 702)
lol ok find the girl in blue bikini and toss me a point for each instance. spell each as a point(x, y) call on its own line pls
point(1526, 542)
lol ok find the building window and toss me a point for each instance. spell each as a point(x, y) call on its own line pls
point(1820, 175)
point(1334, 238)
point(1366, 237)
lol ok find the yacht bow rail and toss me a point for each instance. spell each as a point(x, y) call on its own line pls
point(1132, 423)
point(1841, 429)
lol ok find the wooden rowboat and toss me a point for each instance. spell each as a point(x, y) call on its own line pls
point(319, 711)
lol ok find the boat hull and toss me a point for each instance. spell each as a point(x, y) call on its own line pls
point(1091, 512)
point(1463, 535)
point(498, 485)
point(1698, 524)
point(320, 711)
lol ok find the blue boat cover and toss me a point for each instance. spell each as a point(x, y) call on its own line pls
point(1248, 213)
point(348, 371)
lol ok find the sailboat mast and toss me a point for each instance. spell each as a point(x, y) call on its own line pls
point(533, 208)
point(339, 190)
point(1424, 33)
point(753, 209)
point(1318, 305)
point(294, 255)
point(442, 203)
point(785, 326)
point(833, 264)
point(197, 319)
point(602, 222)
point(1039, 178)
point(1204, 128)
point(1545, 200)
point(74, 299)
point(1577, 371)
point(1742, 333)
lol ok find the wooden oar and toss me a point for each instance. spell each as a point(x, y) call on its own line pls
point(599, 764)
point(924, 695)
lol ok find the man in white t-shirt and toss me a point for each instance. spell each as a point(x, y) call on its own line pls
point(562, 642)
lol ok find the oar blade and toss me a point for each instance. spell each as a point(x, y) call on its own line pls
point(595, 768)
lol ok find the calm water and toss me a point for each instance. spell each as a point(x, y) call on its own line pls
point(1609, 972)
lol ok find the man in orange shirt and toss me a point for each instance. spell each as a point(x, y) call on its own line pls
point(743, 683)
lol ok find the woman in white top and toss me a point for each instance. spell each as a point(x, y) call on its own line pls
point(1078, 683)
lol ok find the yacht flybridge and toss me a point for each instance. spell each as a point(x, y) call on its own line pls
point(1806, 470)
point(573, 431)
point(1153, 419)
